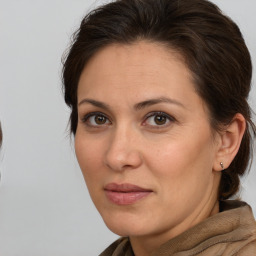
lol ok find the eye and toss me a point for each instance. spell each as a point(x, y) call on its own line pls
point(96, 119)
point(158, 119)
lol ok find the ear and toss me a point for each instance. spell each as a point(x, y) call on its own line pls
point(230, 140)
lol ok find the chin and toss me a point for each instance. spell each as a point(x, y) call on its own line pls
point(126, 231)
point(126, 225)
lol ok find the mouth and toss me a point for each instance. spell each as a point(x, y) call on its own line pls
point(125, 194)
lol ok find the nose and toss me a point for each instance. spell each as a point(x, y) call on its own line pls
point(123, 150)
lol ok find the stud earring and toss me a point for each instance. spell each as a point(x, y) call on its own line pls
point(222, 166)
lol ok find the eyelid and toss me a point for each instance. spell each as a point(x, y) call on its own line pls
point(154, 113)
point(170, 118)
point(85, 118)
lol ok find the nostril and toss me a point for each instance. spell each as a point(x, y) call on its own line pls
point(125, 160)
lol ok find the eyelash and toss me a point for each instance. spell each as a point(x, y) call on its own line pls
point(89, 115)
point(162, 114)
point(149, 115)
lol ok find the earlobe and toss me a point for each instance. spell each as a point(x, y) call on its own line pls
point(222, 166)
point(231, 138)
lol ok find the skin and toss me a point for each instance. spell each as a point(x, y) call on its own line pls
point(177, 160)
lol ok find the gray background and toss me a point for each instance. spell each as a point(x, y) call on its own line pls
point(44, 204)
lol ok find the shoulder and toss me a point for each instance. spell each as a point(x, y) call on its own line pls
point(249, 249)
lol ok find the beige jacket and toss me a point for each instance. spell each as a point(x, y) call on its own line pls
point(232, 232)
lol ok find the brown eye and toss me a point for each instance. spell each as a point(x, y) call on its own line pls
point(100, 119)
point(160, 119)
point(96, 119)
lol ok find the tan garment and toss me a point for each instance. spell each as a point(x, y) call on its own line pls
point(232, 232)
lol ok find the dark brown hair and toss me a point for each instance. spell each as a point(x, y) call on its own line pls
point(1, 136)
point(210, 42)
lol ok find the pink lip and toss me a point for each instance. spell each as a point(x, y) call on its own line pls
point(125, 194)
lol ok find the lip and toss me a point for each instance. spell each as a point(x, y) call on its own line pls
point(125, 194)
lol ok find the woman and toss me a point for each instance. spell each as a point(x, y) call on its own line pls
point(158, 94)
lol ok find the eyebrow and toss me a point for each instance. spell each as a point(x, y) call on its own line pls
point(138, 106)
point(95, 103)
point(151, 102)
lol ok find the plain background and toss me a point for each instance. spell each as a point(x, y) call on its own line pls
point(45, 209)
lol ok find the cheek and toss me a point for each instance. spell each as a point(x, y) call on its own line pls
point(183, 171)
point(182, 162)
point(89, 155)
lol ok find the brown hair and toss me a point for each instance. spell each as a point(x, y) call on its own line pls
point(1, 136)
point(210, 42)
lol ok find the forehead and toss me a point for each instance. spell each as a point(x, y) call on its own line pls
point(142, 64)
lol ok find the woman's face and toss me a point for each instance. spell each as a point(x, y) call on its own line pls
point(144, 142)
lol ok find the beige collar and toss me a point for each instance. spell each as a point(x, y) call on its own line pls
point(230, 232)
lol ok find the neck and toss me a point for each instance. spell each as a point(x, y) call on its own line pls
point(145, 245)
